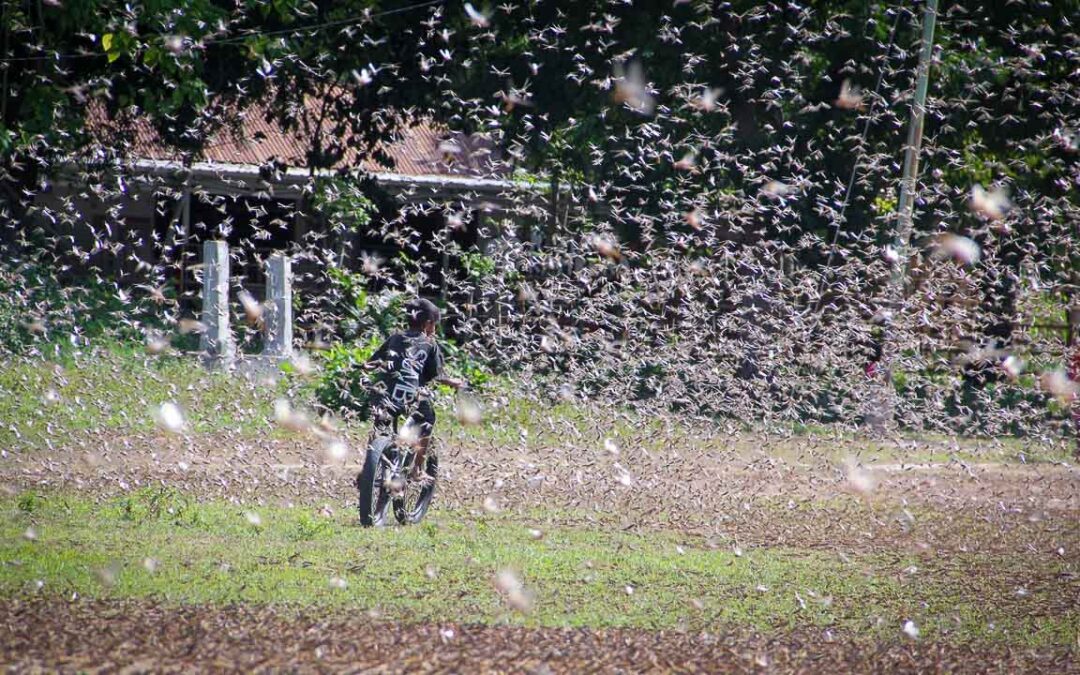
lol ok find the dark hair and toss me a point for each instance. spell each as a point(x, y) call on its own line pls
point(420, 311)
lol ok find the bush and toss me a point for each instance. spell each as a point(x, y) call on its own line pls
point(360, 310)
point(36, 310)
point(460, 362)
point(29, 502)
point(307, 527)
point(343, 386)
point(477, 265)
point(155, 504)
point(28, 299)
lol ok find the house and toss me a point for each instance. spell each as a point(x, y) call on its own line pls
point(251, 186)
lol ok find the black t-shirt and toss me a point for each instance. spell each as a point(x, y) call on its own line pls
point(407, 361)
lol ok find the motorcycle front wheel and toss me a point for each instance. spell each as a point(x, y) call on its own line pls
point(374, 495)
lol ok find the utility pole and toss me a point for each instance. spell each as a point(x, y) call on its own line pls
point(905, 207)
point(906, 204)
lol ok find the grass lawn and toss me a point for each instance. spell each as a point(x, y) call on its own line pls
point(115, 390)
point(159, 544)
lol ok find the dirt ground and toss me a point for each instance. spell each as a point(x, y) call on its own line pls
point(806, 500)
point(97, 636)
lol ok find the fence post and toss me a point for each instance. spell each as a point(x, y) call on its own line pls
point(216, 343)
point(1072, 319)
point(1072, 359)
point(279, 329)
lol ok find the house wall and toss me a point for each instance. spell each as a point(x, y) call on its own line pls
point(87, 232)
point(148, 235)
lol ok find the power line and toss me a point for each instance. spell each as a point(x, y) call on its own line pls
point(833, 246)
point(328, 24)
point(242, 36)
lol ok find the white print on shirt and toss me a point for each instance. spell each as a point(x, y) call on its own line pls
point(408, 382)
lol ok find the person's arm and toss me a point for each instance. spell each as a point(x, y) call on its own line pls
point(437, 372)
point(378, 359)
point(454, 382)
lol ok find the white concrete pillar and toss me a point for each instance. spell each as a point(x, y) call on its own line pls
point(218, 348)
point(278, 340)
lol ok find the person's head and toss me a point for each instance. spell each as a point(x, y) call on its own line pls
point(422, 315)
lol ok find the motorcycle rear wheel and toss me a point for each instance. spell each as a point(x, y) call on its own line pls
point(412, 506)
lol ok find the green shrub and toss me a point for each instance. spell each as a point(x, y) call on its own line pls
point(343, 385)
point(478, 265)
point(343, 203)
point(29, 298)
point(361, 311)
point(155, 504)
point(37, 310)
point(29, 502)
point(462, 363)
point(307, 527)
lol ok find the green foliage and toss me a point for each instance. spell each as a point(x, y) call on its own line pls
point(22, 295)
point(30, 502)
point(120, 44)
point(37, 311)
point(308, 527)
point(343, 203)
point(884, 204)
point(1048, 309)
point(156, 503)
point(368, 319)
point(531, 179)
point(361, 311)
point(477, 265)
point(459, 361)
point(979, 164)
point(46, 101)
point(900, 380)
point(343, 384)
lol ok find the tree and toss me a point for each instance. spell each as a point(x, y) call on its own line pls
point(190, 68)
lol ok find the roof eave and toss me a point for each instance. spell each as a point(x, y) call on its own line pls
point(298, 176)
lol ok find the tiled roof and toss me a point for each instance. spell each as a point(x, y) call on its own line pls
point(422, 150)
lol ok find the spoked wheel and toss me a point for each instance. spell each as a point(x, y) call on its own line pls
point(372, 484)
point(413, 503)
